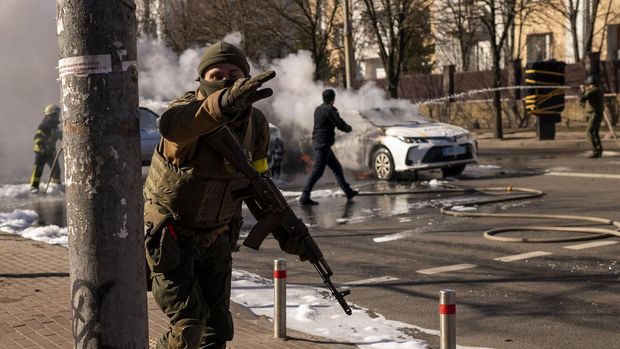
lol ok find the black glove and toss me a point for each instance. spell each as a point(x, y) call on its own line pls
point(292, 244)
point(245, 92)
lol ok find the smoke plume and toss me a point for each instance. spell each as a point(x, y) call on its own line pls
point(29, 83)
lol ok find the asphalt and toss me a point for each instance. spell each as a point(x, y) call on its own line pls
point(35, 307)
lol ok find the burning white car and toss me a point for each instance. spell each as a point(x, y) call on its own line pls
point(396, 140)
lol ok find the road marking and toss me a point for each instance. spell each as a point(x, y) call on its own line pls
point(585, 175)
point(520, 256)
point(446, 269)
point(372, 281)
point(590, 245)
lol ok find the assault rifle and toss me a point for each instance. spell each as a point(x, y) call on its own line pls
point(272, 212)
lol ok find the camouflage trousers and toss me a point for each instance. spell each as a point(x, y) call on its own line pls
point(196, 295)
point(592, 132)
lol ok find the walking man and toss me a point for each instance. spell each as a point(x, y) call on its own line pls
point(45, 139)
point(593, 99)
point(326, 120)
point(192, 215)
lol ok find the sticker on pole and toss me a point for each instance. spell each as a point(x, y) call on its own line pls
point(85, 65)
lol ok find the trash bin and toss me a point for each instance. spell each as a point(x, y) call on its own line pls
point(545, 126)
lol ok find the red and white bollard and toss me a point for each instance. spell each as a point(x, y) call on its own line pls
point(279, 303)
point(447, 319)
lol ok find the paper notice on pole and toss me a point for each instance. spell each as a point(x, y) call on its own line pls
point(85, 65)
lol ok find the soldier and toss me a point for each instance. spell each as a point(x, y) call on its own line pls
point(592, 99)
point(45, 140)
point(192, 215)
point(326, 119)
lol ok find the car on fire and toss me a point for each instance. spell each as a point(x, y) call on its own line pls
point(393, 141)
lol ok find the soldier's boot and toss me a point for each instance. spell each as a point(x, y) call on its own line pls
point(185, 334)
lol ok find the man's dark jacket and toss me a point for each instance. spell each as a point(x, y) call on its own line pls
point(326, 119)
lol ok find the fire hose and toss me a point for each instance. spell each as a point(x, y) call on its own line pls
point(54, 163)
point(522, 194)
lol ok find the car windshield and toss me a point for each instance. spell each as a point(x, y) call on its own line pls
point(383, 117)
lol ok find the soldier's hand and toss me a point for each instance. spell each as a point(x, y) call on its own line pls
point(246, 91)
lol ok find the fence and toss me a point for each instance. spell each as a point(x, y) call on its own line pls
point(422, 87)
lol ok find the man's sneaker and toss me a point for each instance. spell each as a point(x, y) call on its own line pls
point(352, 194)
point(34, 190)
point(595, 155)
point(307, 201)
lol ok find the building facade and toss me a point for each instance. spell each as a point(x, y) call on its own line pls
point(542, 30)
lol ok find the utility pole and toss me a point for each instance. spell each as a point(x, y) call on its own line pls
point(348, 46)
point(97, 68)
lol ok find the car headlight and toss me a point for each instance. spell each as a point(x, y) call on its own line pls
point(412, 139)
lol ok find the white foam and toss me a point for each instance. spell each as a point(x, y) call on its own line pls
point(463, 208)
point(393, 237)
point(23, 190)
point(15, 190)
point(22, 222)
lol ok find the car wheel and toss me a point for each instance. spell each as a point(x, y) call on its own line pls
point(383, 164)
point(452, 170)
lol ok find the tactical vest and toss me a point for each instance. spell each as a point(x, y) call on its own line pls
point(196, 200)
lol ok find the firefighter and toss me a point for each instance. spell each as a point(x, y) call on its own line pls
point(192, 217)
point(45, 140)
point(593, 99)
point(276, 155)
point(326, 120)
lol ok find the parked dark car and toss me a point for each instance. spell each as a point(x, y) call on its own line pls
point(149, 134)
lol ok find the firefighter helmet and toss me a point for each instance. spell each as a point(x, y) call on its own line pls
point(52, 109)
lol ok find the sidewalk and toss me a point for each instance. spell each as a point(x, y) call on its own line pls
point(529, 139)
point(35, 309)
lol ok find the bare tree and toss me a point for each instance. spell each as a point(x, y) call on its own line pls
point(314, 28)
point(458, 20)
point(392, 23)
point(181, 19)
point(570, 11)
point(497, 16)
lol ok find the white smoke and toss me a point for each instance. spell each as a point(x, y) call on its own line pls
point(164, 75)
point(27, 80)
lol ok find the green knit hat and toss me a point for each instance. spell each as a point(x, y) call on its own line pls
point(223, 52)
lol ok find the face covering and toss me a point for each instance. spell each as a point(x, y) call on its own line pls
point(208, 87)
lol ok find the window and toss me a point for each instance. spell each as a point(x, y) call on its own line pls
point(538, 47)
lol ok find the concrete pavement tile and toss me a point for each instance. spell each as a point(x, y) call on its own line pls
point(34, 324)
